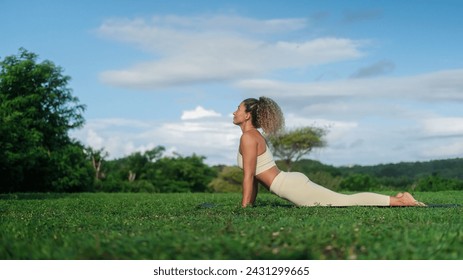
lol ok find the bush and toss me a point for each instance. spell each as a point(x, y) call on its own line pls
point(359, 182)
point(111, 185)
point(181, 174)
point(229, 180)
point(141, 186)
point(436, 183)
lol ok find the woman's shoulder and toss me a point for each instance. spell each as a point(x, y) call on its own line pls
point(246, 136)
point(252, 138)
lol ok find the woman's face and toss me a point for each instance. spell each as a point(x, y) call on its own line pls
point(240, 115)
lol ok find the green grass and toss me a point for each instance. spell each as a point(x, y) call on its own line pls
point(214, 226)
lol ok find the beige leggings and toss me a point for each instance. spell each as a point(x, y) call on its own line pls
point(298, 189)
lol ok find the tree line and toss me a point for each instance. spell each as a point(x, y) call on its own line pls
point(151, 171)
point(38, 109)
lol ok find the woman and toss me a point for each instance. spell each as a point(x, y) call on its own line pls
point(256, 160)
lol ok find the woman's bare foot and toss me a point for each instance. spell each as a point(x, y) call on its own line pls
point(404, 199)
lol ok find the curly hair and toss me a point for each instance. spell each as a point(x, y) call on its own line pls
point(265, 114)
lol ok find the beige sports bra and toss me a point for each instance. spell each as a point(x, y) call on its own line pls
point(264, 161)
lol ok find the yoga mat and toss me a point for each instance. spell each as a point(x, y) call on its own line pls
point(443, 205)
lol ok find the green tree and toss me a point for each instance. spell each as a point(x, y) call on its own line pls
point(125, 174)
point(97, 157)
point(137, 165)
point(181, 174)
point(151, 172)
point(37, 110)
point(71, 170)
point(290, 146)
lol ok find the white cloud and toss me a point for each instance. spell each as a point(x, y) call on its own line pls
point(336, 130)
point(190, 50)
point(444, 150)
point(94, 140)
point(349, 142)
point(198, 113)
point(443, 126)
point(216, 138)
point(438, 86)
point(375, 120)
point(165, 34)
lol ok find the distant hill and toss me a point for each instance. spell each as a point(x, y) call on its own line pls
point(448, 168)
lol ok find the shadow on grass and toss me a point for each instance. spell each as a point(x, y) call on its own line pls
point(261, 204)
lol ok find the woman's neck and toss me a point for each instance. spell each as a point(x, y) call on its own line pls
point(247, 126)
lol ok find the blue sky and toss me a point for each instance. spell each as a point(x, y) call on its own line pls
point(384, 77)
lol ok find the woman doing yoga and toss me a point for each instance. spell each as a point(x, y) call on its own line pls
point(256, 160)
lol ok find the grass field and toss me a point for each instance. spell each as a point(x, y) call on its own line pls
point(213, 226)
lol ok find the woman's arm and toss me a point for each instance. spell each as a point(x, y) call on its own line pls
point(255, 190)
point(249, 152)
